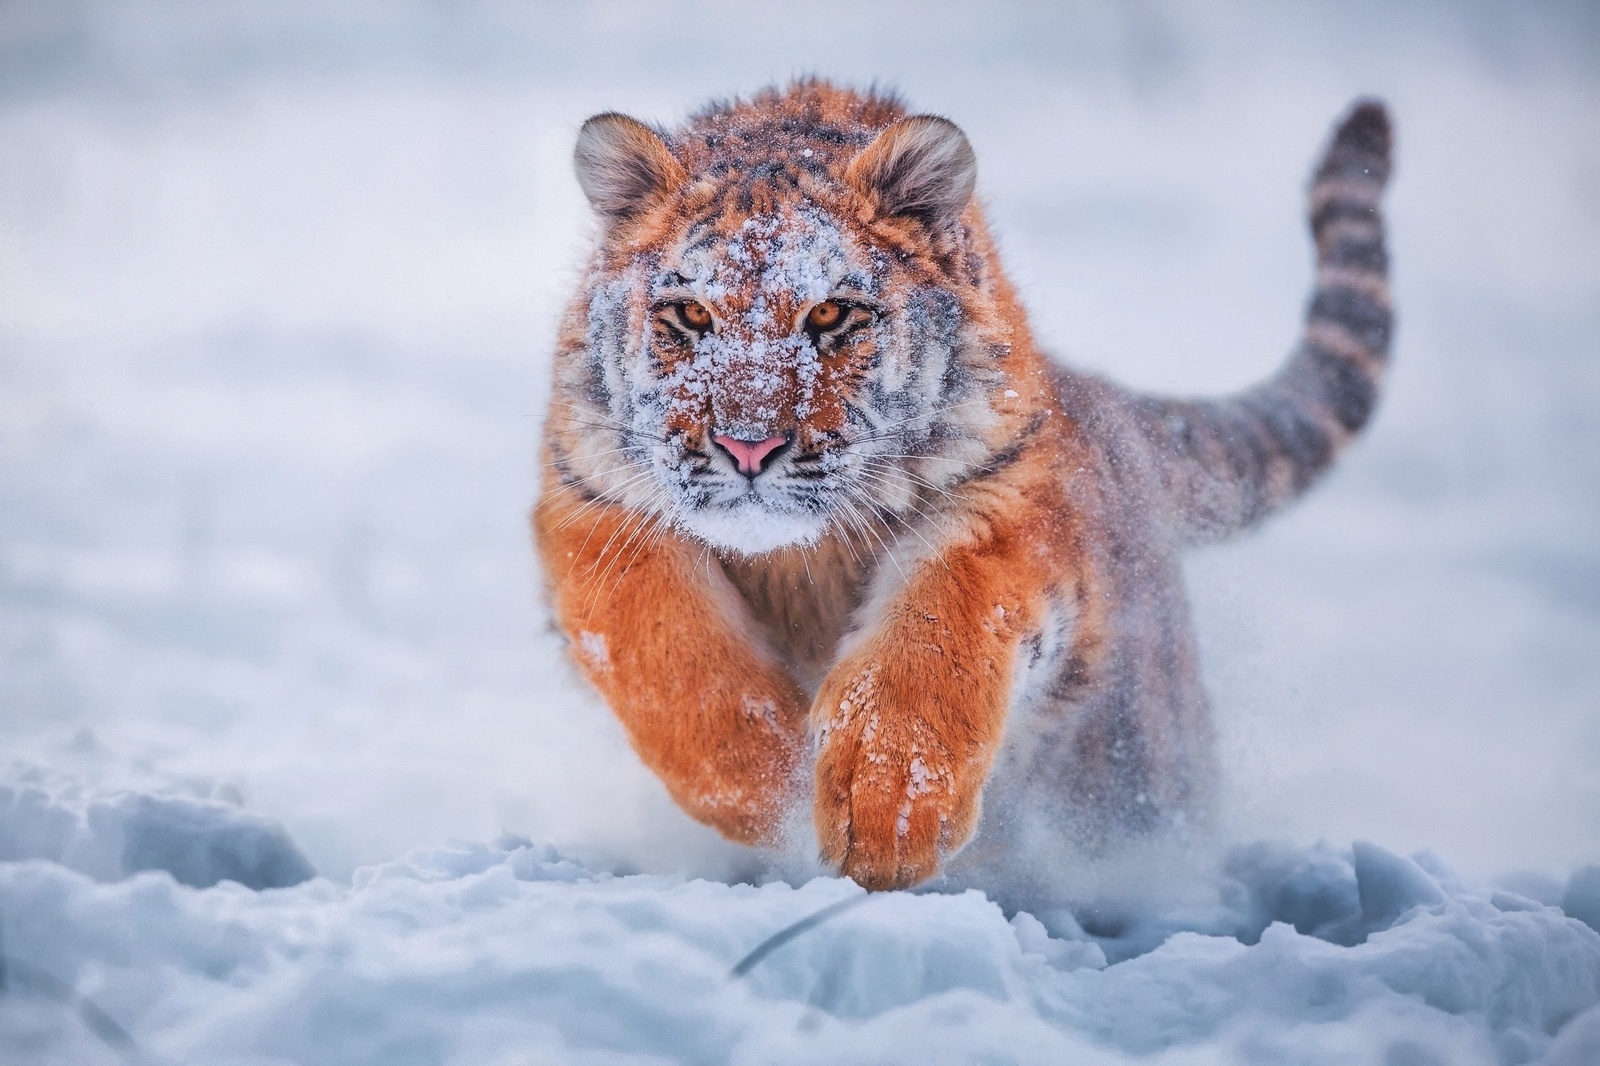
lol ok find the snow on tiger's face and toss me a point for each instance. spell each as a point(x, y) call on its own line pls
point(779, 384)
point(769, 375)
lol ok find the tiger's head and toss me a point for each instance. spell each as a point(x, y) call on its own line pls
point(788, 326)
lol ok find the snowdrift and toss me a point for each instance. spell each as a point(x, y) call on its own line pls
point(510, 953)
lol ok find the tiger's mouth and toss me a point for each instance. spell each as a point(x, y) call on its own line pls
point(753, 524)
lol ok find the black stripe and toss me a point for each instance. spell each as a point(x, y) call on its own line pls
point(1363, 252)
point(1226, 430)
point(1357, 312)
point(1237, 449)
point(580, 490)
point(1010, 454)
point(1258, 440)
point(1346, 388)
point(1305, 441)
point(1365, 132)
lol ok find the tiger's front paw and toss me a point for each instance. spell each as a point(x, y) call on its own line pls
point(893, 799)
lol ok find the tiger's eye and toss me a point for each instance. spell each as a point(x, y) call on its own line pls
point(695, 315)
point(825, 315)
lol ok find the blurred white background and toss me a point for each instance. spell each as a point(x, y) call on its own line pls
point(279, 281)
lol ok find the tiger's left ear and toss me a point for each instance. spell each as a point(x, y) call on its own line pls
point(623, 164)
point(921, 167)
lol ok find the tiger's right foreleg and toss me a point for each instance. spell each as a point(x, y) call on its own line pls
point(666, 641)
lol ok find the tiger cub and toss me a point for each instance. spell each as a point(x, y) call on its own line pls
point(826, 527)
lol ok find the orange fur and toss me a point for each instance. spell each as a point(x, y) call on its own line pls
point(719, 721)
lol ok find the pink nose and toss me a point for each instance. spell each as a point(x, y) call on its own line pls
point(750, 455)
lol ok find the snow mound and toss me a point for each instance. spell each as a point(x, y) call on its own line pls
point(1582, 897)
point(510, 953)
point(199, 842)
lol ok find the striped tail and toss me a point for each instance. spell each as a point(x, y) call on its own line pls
point(1230, 462)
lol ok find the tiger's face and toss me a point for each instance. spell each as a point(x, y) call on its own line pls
point(762, 365)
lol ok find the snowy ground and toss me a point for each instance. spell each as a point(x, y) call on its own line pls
point(277, 287)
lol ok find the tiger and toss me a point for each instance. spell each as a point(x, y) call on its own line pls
point(843, 548)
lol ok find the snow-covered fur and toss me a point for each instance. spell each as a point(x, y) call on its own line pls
point(826, 528)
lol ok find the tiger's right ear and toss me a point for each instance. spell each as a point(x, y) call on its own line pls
point(623, 164)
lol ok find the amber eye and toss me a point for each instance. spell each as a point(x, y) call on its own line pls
point(825, 315)
point(694, 315)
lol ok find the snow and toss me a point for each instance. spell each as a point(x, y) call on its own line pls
point(477, 953)
point(798, 256)
point(277, 289)
point(1582, 897)
point(199, 842)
